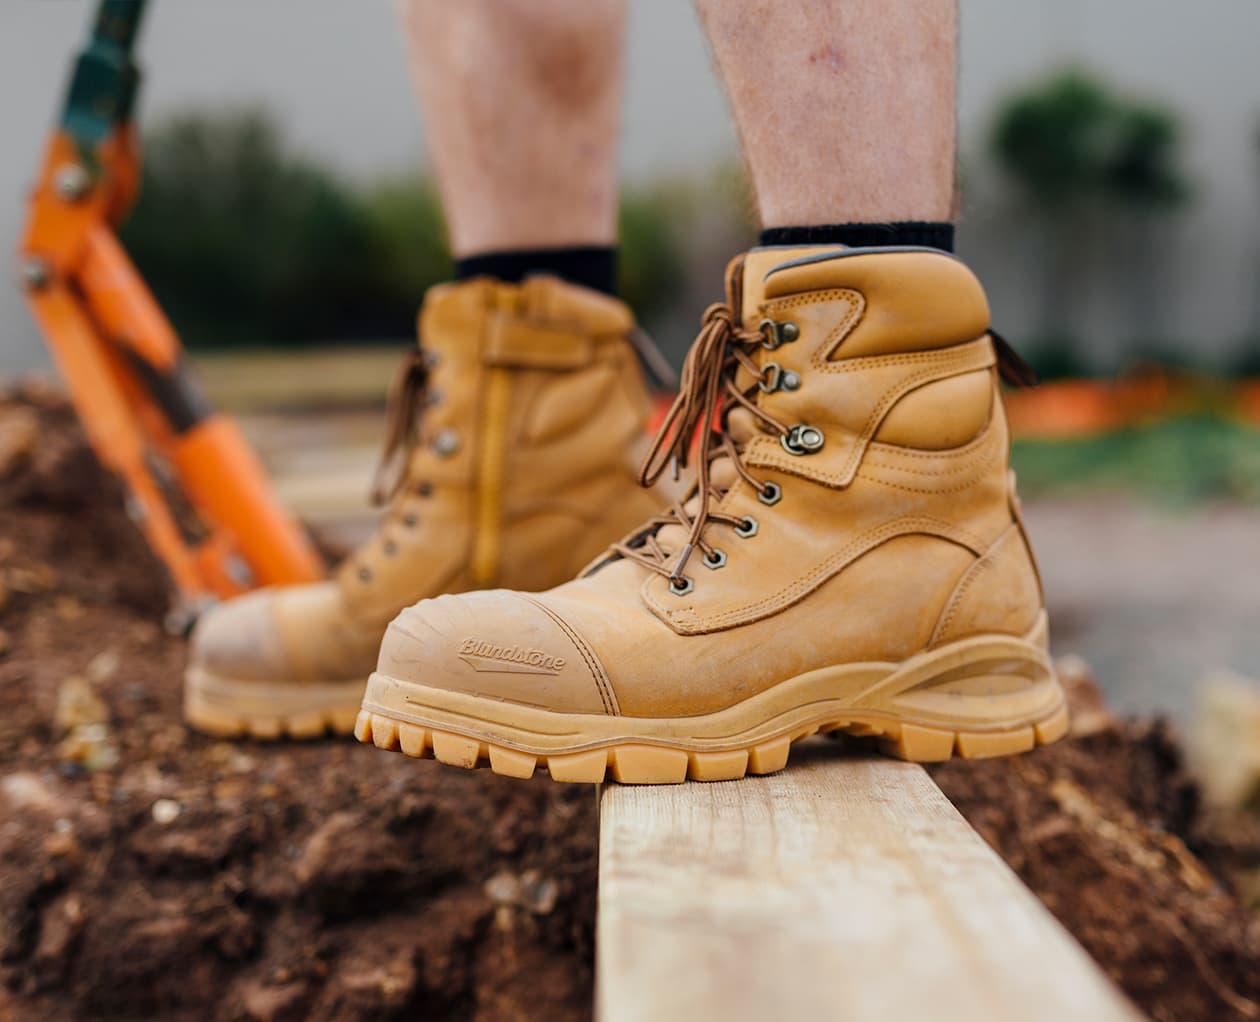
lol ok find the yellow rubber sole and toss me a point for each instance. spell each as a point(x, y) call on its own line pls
point(636, 763)
point(269, 711)
point(993, 695)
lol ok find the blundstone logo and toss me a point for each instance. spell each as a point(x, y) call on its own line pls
point(487, 657)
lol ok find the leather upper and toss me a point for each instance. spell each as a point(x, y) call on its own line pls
point(522, 470)
point(898, 534)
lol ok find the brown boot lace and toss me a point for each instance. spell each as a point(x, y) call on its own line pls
point(708, 393)
point(408, 395)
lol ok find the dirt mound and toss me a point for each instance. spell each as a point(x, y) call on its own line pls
point(148, 872)
point(1106, 829)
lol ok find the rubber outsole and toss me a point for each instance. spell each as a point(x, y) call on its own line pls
point(638, 763)
point(269, 712)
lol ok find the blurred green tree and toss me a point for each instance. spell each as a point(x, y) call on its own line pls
point(245, 241)
point(650, 258)
point(406, 221)
point(1091, 164)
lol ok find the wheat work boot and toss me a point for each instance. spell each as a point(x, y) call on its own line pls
point(515, 433)
point(850, 558)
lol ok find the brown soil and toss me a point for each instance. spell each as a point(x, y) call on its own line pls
point(149, 872)
point(1106, 829)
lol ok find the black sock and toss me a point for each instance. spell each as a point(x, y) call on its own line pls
point(904, 232)
point(593, 266)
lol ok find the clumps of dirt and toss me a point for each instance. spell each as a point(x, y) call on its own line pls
point(149, 872)
point(54, 496)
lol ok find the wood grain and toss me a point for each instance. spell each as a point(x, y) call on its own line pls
point(842, 888)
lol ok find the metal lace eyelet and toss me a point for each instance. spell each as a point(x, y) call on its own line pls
point(446, 443)
point(771, 377)
point(802, 439)
point(390, 548)
point(777, 332)
point(715, 560)
point(747, 528)
point(410, 520)
point(424, 490)
point(770, 493)
point(681, 586)
point(775, 377)
point(432, 398)
point(365, 574)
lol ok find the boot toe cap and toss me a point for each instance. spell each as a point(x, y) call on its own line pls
point(240, 639)
point(284, 634)
point(499, 645)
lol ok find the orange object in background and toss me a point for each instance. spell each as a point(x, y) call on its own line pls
point(196, 489)
point(1072, 409)
point(1249, 401)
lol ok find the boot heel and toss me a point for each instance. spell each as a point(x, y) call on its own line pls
point(979, 697)
point(933, 745)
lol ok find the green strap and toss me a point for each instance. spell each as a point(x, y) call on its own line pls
point(105, 80)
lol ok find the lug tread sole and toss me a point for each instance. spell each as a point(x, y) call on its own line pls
point(640, 763)
point(303, 726)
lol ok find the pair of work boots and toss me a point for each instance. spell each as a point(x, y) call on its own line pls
point(848, 554)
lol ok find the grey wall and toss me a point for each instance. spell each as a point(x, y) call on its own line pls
point(334, 70)
point(1200, 59)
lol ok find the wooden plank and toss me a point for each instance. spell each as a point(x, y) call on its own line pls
point(843, 888)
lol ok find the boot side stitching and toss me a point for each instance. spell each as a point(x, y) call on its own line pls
point(871, 473)
point(942, 364)
point(879, 448)
point(606, 694)
point(820, 357)
point(836, 562)
point(862, 363)
point(969, 577)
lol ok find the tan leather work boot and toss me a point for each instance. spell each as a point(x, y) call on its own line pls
point(850, 557)
point(515, 433)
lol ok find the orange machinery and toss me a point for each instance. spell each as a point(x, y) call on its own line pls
point(196, 489)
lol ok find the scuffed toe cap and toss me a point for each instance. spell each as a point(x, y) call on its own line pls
point(499, 645)
point(285, 634)
point(240, 639)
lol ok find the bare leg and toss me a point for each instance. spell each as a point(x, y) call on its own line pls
point(521, 100)
point(845, 107)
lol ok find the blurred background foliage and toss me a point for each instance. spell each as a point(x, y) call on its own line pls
point(1177, 461)
point(1089, 163)
point(274, 249)
point(247, 242)
point(250, 243)
point(1070, 140)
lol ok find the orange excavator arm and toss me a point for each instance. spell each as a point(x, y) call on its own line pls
point(195, 487)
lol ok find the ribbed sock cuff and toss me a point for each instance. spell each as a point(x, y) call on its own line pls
point(906, 232)
point(593, 266)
